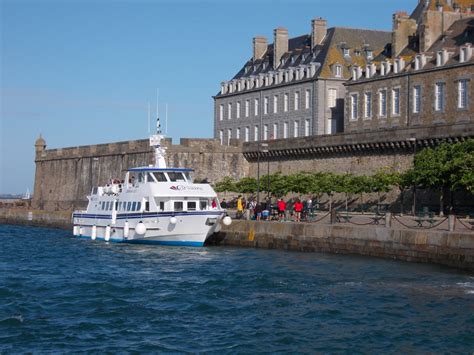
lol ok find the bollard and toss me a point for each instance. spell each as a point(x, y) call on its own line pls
point(451, 222)
point(333, 216)
point(247, 215)
point(287, 215)
point(388, 220)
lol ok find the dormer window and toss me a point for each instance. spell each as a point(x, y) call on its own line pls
point(346, 52)
point(246, 70)
point(293, 60)
point(357, 52)
point(439, 58)
point(303, 57)
point(338, 71)
point(465, 53)
point(264, 66)
point(370, 54)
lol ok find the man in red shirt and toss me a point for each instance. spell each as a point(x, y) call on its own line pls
point(298, 207)
point(281, 208)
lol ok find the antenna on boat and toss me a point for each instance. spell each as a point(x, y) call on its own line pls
point(166, 119)
point(148, 118)
point(157, 102)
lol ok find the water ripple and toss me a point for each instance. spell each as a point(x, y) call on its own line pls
point(60, 294)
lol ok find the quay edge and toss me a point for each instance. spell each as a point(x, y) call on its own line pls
point(452, 249)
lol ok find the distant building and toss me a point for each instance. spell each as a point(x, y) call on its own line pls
point(427, 76)
point(294, 87)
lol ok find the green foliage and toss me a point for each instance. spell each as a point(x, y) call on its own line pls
point(449, 166)
point(446, 166)
point(247, 185)
point(300, 183)
point(227, 184)
point(279, 185)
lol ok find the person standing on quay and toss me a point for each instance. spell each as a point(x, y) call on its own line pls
point(240, 207)
point(298, 207)
point(281, 209)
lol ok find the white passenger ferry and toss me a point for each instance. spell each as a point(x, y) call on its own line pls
point(154, 204)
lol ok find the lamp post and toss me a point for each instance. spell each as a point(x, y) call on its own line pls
point(260, 145)
point(413, 140)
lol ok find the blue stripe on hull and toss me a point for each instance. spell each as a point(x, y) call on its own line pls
point(148, 242)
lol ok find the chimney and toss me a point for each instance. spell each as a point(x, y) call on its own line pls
point(402, 29)
point(280, 45)
point(318, 31)
point(259, 47)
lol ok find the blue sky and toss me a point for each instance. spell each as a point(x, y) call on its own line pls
point(83, 72)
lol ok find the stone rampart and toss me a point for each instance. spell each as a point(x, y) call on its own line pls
point(67, 175)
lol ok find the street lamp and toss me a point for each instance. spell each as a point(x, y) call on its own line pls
point(260, 145)
point(413, 140)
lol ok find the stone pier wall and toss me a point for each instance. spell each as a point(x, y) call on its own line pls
point(427, 246)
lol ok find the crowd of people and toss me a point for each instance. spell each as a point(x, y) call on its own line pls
point(270, 209)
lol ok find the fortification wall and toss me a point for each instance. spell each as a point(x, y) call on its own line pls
point(65, 176)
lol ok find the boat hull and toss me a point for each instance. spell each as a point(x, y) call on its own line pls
point(186, 229)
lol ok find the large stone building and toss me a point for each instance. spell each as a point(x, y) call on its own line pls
point(426, 77)
point(293, 87)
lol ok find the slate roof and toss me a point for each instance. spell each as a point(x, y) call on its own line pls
point(460, 33)
point(326, 54)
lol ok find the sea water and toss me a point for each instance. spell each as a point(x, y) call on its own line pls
point(62, 294)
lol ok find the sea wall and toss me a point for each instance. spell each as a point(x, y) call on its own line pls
point(426, 246)
point(455, 249)
point(38, 218)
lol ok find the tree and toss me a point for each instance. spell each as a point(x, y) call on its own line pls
point(278, 184)
point(300, 182)
point(382, 181)
point(462, 166)
point(246, 185)
point(327, 184)
point(431, 171)
point(227, 184)
point(403, 181)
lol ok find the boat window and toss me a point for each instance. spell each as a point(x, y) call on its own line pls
point(189, 177)
point(178, 205)
point(203, 205)
point(129, 205)
point(162, 205)
point(147, 206)
point(134, 206)
point(160, 177)
point(111, 205)
point(141, 177)
point(139, 205)
point(191, 206)
point(175, 176)
point(94, 191)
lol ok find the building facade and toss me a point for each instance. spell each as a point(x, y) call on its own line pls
point(293, 87)
point(417, 85)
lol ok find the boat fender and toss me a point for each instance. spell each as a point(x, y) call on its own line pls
point(126, 229)
point(75, 230)
point(218, 228)
point(173, 220)
point(94, 232)
point(140, 229)
point(107, 233)
point(227, 220)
